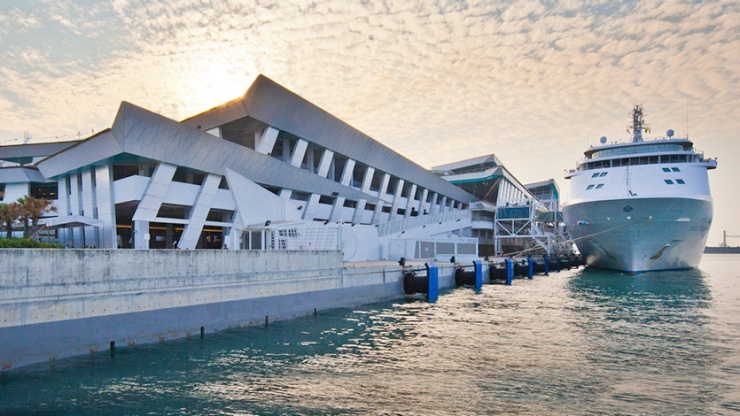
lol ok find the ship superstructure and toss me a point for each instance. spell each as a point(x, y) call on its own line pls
point(642, 205)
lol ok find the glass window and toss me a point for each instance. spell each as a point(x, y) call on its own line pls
point(595, 175)
point(589, 187)
point(676, 169)
point(666, 169)
point(48, 190)
point(669, 182)
point(599, 186)
point(680, 182)
point(603, 174)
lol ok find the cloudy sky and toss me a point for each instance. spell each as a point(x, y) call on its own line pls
point(534, 82)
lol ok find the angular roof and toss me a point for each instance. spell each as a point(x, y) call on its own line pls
point(140, 132)
point(271, 103)
point(24, 153)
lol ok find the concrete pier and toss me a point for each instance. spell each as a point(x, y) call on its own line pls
point(61, 303)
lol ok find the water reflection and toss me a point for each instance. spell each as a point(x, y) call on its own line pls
point(649, 335)
point(572, 343)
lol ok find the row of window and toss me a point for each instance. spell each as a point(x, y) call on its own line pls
point(667, 170)
point(649, 148)
point(667, 181)
point(642, 160)
point(39, 190)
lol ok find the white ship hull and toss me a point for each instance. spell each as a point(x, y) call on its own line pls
point(640, 234)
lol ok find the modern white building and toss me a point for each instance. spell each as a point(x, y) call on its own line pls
point(269, 170)
point(508, 217)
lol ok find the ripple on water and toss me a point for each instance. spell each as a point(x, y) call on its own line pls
point(577, 342)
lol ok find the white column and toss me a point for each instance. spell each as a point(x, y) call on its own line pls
point(106, 206)
point(286, 193)
point(396, 198)
point(266, 143)
point(423, 201)
point(336, 210)
point(359, 211)
point(199, 212)
point(88, 206)
point(308, 211)
point(148, 207)
point(368, 180)
point(141, 235)
point(299, 153)
point(434, 208)
point(378, 213)
point(74, 195)
point(62, 205)
point(384, 185)
point(443, 204)
point(410, 202)
point(349, 168)
point(325, 163)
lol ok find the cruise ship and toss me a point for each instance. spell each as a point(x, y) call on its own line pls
point(642, 205)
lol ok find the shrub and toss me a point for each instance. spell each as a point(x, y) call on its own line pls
point(25, 243)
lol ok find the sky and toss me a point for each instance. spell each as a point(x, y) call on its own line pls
point(533, 82)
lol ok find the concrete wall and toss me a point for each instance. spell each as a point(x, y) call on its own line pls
point(60, 303)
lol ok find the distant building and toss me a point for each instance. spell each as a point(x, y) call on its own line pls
point(269, 170)
point(508, 217)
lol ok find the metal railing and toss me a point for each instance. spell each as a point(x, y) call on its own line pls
point(397, 226)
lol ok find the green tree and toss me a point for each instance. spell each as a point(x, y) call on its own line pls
point(31, 210)
point(9, 214)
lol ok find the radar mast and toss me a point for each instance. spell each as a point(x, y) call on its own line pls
point(638, 123)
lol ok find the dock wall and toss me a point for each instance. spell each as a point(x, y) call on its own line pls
point(61, 303)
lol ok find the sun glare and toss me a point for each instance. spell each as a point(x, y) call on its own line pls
point(216, 86)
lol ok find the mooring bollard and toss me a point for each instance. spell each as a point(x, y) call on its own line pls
point(531, 266)
point(509, 271)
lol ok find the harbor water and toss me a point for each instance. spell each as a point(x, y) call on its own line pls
point(575, 342)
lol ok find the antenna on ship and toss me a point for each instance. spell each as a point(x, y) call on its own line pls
point(638, 123)
point(686, 126)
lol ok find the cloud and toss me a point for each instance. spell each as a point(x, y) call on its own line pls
point(430, 79)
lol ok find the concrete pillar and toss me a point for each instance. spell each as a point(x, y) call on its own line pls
point(433, 206)
point(311, 204)
point(443, 204)
point(349, 168)
point(397, 198)
point(266, 142)
point(88, 207)
point(141, 235)
point(359, 211)
point(368, 179)
point(299, 153)
point(423, 206)
point(410, 202)
point(199, 213)
point(106, 206)
point(325, 163)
